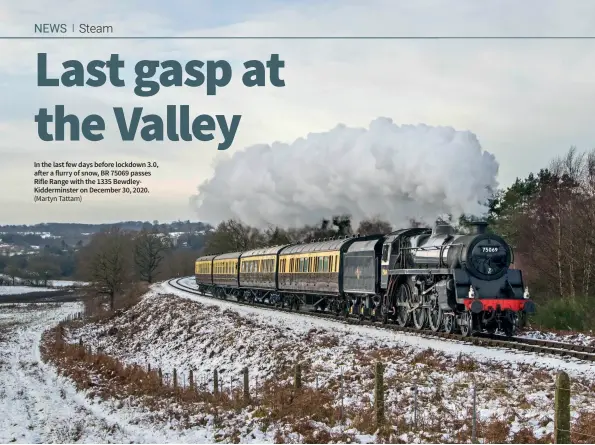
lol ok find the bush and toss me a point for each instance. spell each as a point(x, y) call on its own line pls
point(565, 314)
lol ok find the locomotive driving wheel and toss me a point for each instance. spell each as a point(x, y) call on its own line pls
point(402, 305)
point(449, 323)
point(420, 313)
point(435, 315)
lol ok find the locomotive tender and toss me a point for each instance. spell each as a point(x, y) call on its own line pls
point(427, 278)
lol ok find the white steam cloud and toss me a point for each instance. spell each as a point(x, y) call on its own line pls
point(389, 171)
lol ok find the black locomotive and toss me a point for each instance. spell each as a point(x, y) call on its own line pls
point(426, 278)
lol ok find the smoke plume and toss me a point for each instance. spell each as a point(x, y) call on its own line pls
point(390, 171)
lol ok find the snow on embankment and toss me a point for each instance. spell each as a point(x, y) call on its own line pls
point(170, 332)
point(367, 335)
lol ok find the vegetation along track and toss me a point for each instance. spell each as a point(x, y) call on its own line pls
point(523, 344)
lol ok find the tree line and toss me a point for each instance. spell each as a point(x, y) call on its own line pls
point(548, 218)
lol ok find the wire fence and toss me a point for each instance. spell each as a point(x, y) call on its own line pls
point(474, 411)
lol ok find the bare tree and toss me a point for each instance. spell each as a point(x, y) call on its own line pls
point(232, 235)
point(13, 272)
point(43, 268)
point(149, 251)
point(179, 263)
point(374, 226)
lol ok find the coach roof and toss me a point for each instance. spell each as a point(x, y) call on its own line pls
point(273, 250)
point(321, 246)
point(228, 256)
point(206, 258)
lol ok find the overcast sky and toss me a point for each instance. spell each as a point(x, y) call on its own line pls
point(526, 100)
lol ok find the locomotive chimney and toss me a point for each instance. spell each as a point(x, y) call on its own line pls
point(478, 227)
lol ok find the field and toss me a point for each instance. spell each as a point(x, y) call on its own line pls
point(428, 396)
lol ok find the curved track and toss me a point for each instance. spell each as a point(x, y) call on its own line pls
point(519, 343)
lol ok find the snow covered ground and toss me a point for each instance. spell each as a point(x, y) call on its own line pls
point(515, 390)
point(51, 283)
point(66, 283)
point(577, 338)
point(392, 339)
point(38, 406)
point(17, 290)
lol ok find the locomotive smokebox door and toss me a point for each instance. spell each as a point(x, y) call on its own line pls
point(384, 265)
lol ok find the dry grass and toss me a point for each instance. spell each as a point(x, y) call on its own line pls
point(300, 411)
point(466, 364)
point(305, 415)
point(583, 431)
point(96, 304)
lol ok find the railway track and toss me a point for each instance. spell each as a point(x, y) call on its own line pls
point(523, 344)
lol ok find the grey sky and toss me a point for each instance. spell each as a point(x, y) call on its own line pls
point(526, 100)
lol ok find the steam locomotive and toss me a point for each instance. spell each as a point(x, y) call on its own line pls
point(425, 278)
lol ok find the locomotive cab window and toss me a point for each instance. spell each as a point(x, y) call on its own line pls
point(385, 250)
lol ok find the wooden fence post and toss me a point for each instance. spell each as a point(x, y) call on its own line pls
point(379, 394)
point(191, 379)
point(562, 409)
point(246, 388)
point(175, 378)
point(160, 377)
point(215, 382)
point(298, 376)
